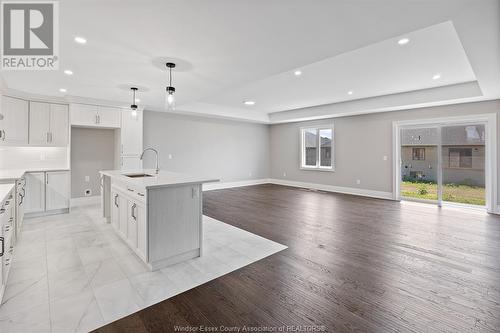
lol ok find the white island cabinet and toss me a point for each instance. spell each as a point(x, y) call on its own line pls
point(158, 215)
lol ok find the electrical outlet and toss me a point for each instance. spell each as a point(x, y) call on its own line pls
point(250, 174)
point(87, 179)
point(385, 157)
point(169, 156)
point(284, 174)
point(358, 181)
point(88, 192)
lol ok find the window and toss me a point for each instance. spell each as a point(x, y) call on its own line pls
point(418, 154)
point(317, 148)
point(460, 157)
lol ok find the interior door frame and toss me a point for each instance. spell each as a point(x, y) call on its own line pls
point(490, 122)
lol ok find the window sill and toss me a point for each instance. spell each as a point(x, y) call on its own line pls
point(318, 169)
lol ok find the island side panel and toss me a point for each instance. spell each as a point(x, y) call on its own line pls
point(106, 197)
point(174, 224)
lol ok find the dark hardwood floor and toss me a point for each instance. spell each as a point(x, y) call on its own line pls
point(353, 264)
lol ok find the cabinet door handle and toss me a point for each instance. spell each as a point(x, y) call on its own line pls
point(4, 135)
point(116, 203)
point(2, 210)
point(3, 246)
point(22, 199)
point(51, 137)
point(134, 206)
point(1, 135)
point(48, 137)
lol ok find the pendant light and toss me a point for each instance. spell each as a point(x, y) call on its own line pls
point(170, 98)
point(134, 106)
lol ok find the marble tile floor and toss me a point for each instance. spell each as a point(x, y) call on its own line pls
point(72, 273)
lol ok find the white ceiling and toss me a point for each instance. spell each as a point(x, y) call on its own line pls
point(230, 51)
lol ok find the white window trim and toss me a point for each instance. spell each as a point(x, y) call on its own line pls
point(302, 165)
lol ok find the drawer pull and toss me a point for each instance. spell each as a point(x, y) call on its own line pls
point(3, 246)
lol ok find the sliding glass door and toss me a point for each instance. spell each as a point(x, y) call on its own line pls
point(420, 163)
point(463, 156)
point(443, 163)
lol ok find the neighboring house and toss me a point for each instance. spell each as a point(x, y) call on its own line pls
point(326, 149)
point(463, 154)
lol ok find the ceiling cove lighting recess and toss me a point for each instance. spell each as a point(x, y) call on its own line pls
point(80, 40)
point(249, 102)
point(403, 41)
point(298, 72)
point(63, 90)
point(68, 72)
point(436, 76)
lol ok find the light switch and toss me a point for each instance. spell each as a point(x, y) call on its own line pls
point(385, 157)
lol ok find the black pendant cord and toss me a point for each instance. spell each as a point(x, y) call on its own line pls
point(133, 102)
point(170, 69)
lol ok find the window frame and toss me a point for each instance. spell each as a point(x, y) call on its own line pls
point(413, 154)
point(302, 155)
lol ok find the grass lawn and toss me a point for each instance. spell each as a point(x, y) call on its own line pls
point(472, 195)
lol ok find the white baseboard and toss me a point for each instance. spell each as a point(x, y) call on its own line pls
point(85, 201)
point(219, 186)
point(337, 189)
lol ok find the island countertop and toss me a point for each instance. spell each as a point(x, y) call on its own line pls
point(162, 179)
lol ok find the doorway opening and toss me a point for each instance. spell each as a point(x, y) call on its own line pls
point(449, 161)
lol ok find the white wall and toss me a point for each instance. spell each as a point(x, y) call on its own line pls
point(228, 150)
point(33, 157)
point(92, 150)
point(360, 144)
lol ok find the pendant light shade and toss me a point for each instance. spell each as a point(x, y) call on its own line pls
point(134, 106)
point(170, 90)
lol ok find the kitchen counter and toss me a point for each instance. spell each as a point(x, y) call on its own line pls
point(5, 189)
point(7, 175)
point(163, 179)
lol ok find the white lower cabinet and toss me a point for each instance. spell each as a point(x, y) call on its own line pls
point(35, 192)
point(56, 190)
point(47, 191)
point(128, 217)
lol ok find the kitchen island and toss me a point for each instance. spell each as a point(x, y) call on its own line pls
point(158, 215)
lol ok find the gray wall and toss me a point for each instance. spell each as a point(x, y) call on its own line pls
point(91, 150)
point(229, 150)
point(361, 143)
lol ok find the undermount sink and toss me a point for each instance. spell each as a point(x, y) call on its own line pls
point(137, 175)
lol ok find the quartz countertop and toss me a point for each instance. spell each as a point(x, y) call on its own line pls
point(5, 189)
point(162, 179)
point(14, 174)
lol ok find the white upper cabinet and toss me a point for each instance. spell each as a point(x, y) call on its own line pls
point(59, 125)
point(109, 117)
point(48, 124)
point(13, 121)
point(39, 123)
point(131, 133)
point(83, 115)
point(95, 116)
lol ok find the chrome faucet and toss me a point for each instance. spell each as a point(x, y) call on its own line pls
point(156, 153)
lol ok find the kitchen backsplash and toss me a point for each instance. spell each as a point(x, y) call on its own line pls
point(33, 157)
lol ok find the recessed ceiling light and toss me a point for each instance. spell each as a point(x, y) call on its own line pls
point(249, 102)
point(403, 41)
point(297, 73)
point(68, 72)
point(436, 76)
point(350, 92)
point(80, 40)
point(63, 90)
